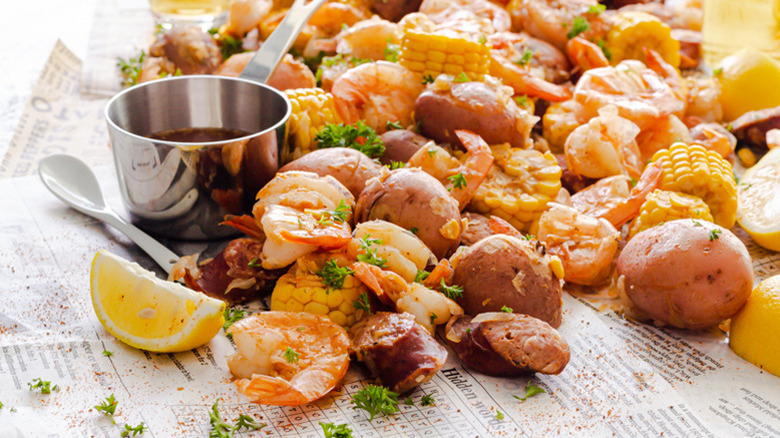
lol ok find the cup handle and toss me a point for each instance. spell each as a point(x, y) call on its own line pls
point(276, 46)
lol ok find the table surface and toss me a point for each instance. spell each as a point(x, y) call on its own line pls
point(32, 28)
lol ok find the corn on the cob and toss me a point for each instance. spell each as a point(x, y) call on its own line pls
point(302, 290)
point(432, 54)
point(518, 187)
point(664, 206)
point(697, 171)
point(632, 31)
point(558, 122)
point(312, 109)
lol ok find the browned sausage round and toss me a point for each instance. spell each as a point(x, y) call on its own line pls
point(507, 344)
point(397, 349)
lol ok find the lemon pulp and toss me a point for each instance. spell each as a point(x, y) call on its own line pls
point(758, 209)
point(755, 330)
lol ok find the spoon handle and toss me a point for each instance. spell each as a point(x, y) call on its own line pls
point(157, 251)
point(276, 46)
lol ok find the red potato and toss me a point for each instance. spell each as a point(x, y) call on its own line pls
point(687, 273)
point(400, 145)
point(506, 271)
point(349, 166)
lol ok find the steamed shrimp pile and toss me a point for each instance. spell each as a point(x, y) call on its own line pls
point(523, 128)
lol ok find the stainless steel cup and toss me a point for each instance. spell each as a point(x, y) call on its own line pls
point(183, 190)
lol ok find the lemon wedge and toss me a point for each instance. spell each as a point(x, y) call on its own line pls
point(754, 329)
point(758, 201)
point(148, 313)
point(746, 77)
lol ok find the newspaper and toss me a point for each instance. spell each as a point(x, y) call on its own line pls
point(624, 378)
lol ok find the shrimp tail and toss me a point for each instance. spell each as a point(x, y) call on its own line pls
point(246, 224)
point(442, 272)
point(500, 226)
point(523, 82)
point(387, 287)
point(649, 181)
point(325, 240)
point(585, 55)
point(475, 169)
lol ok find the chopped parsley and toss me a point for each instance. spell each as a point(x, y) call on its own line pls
point(526, 57)
point(255, 263)
point(44, 386)
point(369, 256)
point(107, 353)
point(431, 152)
point(458, 180)
point(332, 275)
point(696, 223)
point(396, 165)
point(414, 230)
point(393, 125)
point(717, 72)
point(409, 401)
point(332, 431)
point(482, 39)
point(597, 9)
point(715, 234)
point(428, 79)
point(604, 49)
point(521, 100)
point(376, 400)
point(530, 391)
point(462, 78)
point(391, 51)
point(432, 317)
point(529, 237)
point(232, 315)
point(108, 407)
point(247, 422)
point(339, 215)
point(131, 69)
point(133, 431)
point(228, 45)
point(222, 429)
point(362, 303)
point(290, 355)
point(451, 292)
point(506, 309)
point(427, 400)
point(421, 276)
point(358, 136)
point(578, 26)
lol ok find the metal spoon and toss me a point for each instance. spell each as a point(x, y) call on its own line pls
point(71, 180)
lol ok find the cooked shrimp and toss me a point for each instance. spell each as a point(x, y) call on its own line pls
point(611, 199)
point(585, 55)
point(429, 307)
point(585, 245)
point(287, 358)
point(714, 137)
point(544, 58)
point(302, 190)
point(367, 39)
point(523, 81)
point(378, 93)
point(551, 20)
point(404, 252)
point(441, 11)
point(703, 100)
point(460, 178)
point(245, 15)
point(289, 74)
point(661, 135)
point(331, 17)
point(604, 146)
point(641, 94)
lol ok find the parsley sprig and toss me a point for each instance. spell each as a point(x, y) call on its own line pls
point(525, 58)
point(358, 136)
point(451, 292)
point(108, 407)
point(578, 26)
point(44, 386)
point(131, 69)
point(715, 234)
point(133, 431)
point(290, 355)
point(369, 255)
point(362, 303)
point(530, 391)
point(375, 400)
point(222, 429)
point(339, 215)
point(332, 275)
point(427, 400)
point(332, 431)
point(458, 180)
point(232, 315)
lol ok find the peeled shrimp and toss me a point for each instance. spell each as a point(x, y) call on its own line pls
point(331, 17)
point(378, 93)
point(642, 94)
point(367, 39)
point(441, 165)
point(289, 74)
point(714, 137)
point(440, 11)
point(551, 20)
point(604, 146)
point(546, 60)
point(585, 55)
point(302, 190)
point(703, 100)
point(245, 15)
point(611, 199)
point(585, 245)
point(523, 81)
point(661, 135)
point(405, 253)
point(429, 307)
point(320, 357)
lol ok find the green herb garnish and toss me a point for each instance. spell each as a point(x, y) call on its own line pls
point(604, 49)
point(391, 51)
point(247, 422)
point(427, 400)
point(462, 78)
point(370, 256)
point(362, 303)
point(506, 309)
point(409, 401)
point(451, 292)
point(530, 391)
point(332, 431)
point(521, 100)
point(131, 69)
point(255, 263)
point(332, 275)
point(526, 57)
point(458, 180)
point(578, 26)
point(499, 415)
point(597, 9)
point(232, 315)
point(107, 353)
point(108, 407)
point(44, 386)
point(393, 125)
point(396, 165)
point(358, 136)
point(428, 79)
point(339, 215)
point(133, 431)
point(375, 400)
point(290, 355)
point(715, 234)
point(421, 276)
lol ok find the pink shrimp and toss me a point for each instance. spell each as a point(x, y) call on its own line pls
point(288, 358)
point(585, 55)
point(523, 81)
point(610, 198)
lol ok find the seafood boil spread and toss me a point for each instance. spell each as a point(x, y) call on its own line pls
point(451, 168)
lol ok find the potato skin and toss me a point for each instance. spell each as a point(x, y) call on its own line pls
point(394, 10)
point(349, 166)
point(400, 145)
point(501, 270)
point(679, 274)
point(518, 346)
point(474, 106)
point(410, 198)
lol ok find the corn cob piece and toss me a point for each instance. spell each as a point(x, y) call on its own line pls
point(632, 31)
point(302, 290)
point(518, 187)
point(663, 206)
point(432, 54)
point(312, 109)
point(697, 171)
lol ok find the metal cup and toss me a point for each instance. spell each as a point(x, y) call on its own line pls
point(183, 190)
